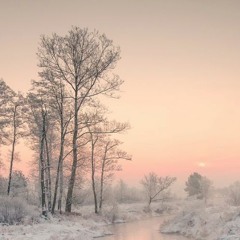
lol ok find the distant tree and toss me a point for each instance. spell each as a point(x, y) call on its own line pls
point(126, 194)
point(198, 185)
point(193, 186)
point(154, 185)
point(19, 184)
point(3, 186)
point(121, 191)
point(205, 186)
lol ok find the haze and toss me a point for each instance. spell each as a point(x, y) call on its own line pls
point(180, 62)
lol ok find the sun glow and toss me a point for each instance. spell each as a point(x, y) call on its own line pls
point(202, 164)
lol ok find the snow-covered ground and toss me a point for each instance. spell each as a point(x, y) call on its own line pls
point(84, 225)
point(190, 218)
point(63, 228)
point(205, 221)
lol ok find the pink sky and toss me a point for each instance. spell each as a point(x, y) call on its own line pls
point(180, 62)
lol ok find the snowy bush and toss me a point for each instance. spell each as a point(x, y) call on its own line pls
point(112, 214)
point(233, 194)
point(14, 210)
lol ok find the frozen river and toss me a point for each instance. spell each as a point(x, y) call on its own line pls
point(140, 230)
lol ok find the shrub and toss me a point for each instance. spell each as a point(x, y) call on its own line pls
point(233, 194)
point(112, 213)
point(13, 210)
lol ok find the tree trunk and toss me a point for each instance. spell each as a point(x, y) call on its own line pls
point(101, 193)
point(13, 151)
point(101, 181)
point(68, 207)
point(93, 175)
point(59, 168)
point(149, 202)
point(94, 190)
point(48, 169)
point(42, 162)
point(60, 189)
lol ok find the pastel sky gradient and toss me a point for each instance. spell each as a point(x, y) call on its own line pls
point(181, 66)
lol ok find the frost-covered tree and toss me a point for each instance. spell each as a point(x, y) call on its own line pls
point(6, 96)
point(12, 122)
point(205, 186)
point(126, 194)
point(83, 60)
point(154, 185)
point(109, 163)
point(19, 184)
point(40, 122)
point(17, 128)
point(59, 105)
point(193, 186)
point(105, 154)
point(198, 185)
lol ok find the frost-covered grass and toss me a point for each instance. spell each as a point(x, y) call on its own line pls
point(191, 218)
point(58, 228)
point(201, 221)
point(82, 224)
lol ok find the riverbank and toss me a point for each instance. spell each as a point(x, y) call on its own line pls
point(189, 218)
point(83, 224)
point(205, 222)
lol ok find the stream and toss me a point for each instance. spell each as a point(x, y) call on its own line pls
point(140, 230)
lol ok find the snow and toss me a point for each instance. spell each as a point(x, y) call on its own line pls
point(64, 228)
point(84, 224)
point(191, 218)
point(205, 221)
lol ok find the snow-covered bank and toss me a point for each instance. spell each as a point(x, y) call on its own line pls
point(83, 225)
point(220, 222)
point(63, 228)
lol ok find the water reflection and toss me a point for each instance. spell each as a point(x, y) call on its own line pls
point(140, 230)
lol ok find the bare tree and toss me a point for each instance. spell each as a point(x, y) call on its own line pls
point(104, 153)
point(59, 105)
point(83, 60)
point(109, 163)
point(17, 128)
point(39, 122)
point(94, 140)
point(6, 95)
point(154, 185)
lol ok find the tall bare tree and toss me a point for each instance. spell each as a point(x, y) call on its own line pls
point(17, 128)
point(59, 104)
point(84, 61)
point(104, 154)
point(39, 123)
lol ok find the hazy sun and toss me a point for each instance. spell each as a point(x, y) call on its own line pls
point(202, 164)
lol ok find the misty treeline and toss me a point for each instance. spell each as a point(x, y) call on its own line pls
point(63, 119)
